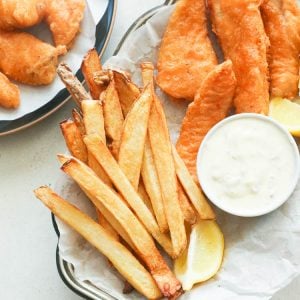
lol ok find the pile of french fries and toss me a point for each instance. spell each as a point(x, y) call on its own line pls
point(123, 160)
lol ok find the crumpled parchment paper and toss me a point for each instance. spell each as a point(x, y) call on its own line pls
point(262, 254)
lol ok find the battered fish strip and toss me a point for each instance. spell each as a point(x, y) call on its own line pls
point(27, 59)
point(186, 55)
point(9, 93)
point(21, 13)
point(291, 13)
point(212, 103)
point(240, 30)
point(282, 56)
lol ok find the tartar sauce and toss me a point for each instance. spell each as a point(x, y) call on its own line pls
point(248, 165)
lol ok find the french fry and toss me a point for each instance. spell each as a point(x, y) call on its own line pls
point(93, 117)
point(122, 184)
point(143, 243)
point(191, 188)
point(73, 138)
point(152, 187)
point(113, 116)
point(94, 123)
point(78, 121)
point(186, 208)
point(164, 163)
point(133, 137)
point(106, 225)
point(128, 92)
point(128, 266)
point(144, 196)
point(72, 84)
point(90, 66)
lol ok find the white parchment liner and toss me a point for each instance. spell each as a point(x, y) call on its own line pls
point(262, 254)
point(34, 97)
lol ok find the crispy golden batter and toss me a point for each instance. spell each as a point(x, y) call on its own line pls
point(27, 59)
point(291, 13)
point(9, 93)
point(186, 55)
point(212, 103)
point(21, 13)
point(239, 27)
point(282, 56)
point(64, 18)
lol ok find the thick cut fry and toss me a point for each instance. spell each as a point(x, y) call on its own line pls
point(211, 105)
point(119, 255)
point(191, 188)
point(94, 123)
point(9, 93)
point(152, 187)
point(240, 30)
point(186, 54)
point(72, 84)
point(90, 66)
point(283, 57)
point(133, 137)
point(128, 92)
point(78, 121)
point(164, 163)
point(122, 184)
point(144, 244)
point(144, 196)
point(186, 208)
point(93, 117)
point(74, 140)
point(113, 116)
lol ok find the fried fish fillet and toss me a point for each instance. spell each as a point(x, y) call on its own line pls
point(64, 18)
point(240, 30)
point(9, 93)
point(27, 59)
point(283, 56)
point(186, 54)
point(291, 13)
point(212, 102)
point(17, 14)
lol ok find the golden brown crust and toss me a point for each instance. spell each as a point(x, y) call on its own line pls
point(240, 30)
point(186, 55)
point(283, 56)
point(212, 103)
point(27, 59)
point(9, 93)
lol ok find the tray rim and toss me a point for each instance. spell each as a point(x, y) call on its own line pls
point(65, 269)
point(103, 33)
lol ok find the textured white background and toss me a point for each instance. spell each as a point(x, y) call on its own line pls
point(27, 160)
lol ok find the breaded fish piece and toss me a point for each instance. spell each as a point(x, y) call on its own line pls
point(212, 102)
point(291, 13)
point(282, 56)
point(27, 59)
point(17, 14)
point(240, 30)
point(186, 54)
point(9, 93)
point(64, 18)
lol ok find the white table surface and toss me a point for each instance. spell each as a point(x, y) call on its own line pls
point(27, 160)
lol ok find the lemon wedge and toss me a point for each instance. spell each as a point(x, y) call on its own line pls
point(287, 113)
point(203, 257)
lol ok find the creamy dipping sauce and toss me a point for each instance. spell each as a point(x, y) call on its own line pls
point(248, 165)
